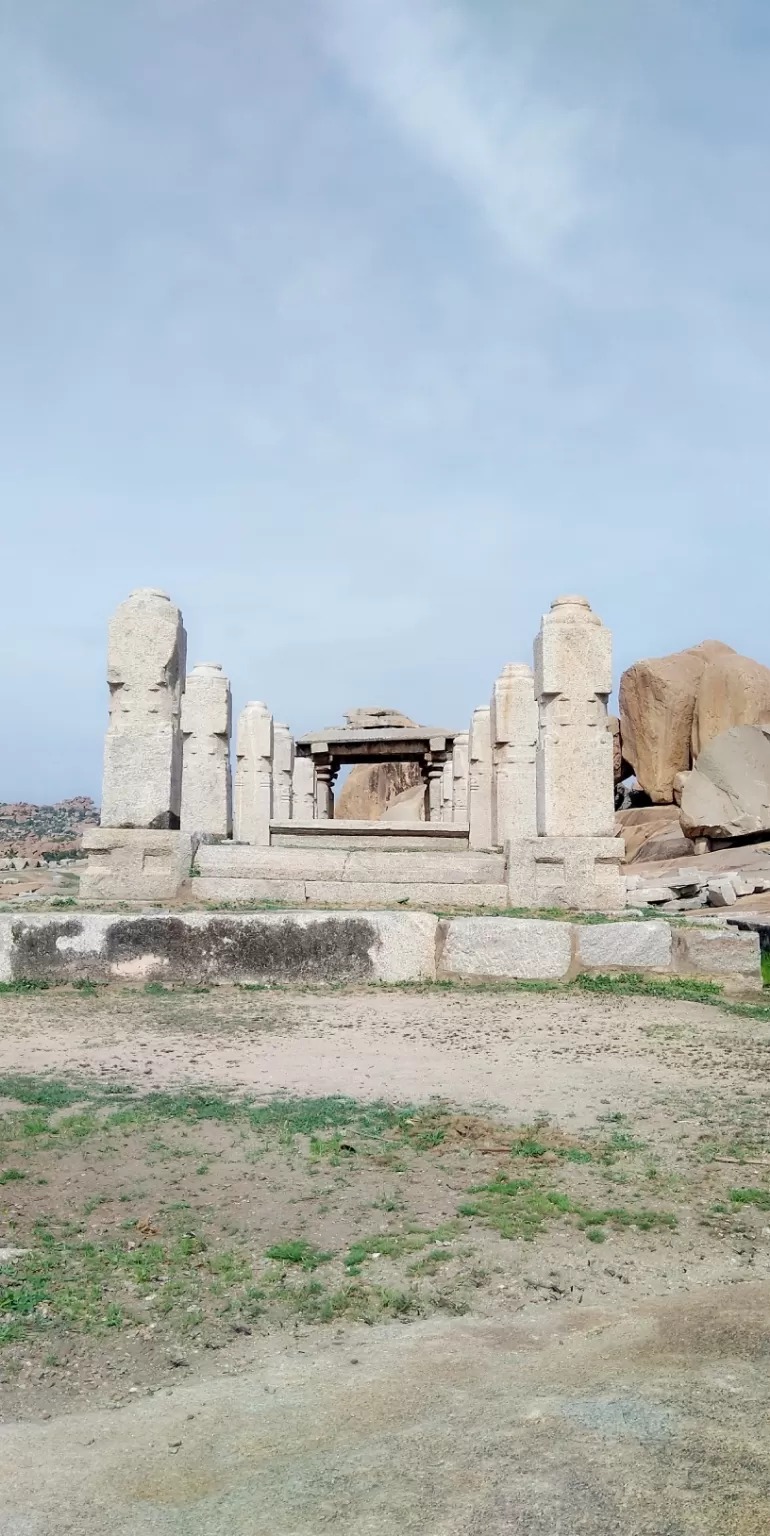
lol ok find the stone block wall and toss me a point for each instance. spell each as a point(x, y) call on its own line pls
point(361, 945)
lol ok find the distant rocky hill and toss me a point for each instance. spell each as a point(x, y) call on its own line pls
point(35, 829)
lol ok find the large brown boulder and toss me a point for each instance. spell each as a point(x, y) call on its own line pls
point(657, 700)
point(369, 790)
point(733, 690)
point(728, 792)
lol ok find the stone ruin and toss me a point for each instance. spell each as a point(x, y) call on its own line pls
point(518, 809)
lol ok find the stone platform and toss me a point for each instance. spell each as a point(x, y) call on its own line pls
point(361, 864)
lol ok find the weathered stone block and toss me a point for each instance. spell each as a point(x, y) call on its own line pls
point(571, 872)
point(624, 946)
point(720, 954)
point(504, 947)
point(133, 864)
point(201, 947)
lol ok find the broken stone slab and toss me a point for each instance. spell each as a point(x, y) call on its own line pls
point(684, 904)
point(721, 893)
point(651, 895)
point(686, 885)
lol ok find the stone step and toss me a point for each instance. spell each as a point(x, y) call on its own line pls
point(360, 895)
point(352, 835)
point(242, 861)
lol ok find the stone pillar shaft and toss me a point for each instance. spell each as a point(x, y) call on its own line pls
point(207, 798)
point(254, 775)
point(283, 772)
point(514, 728)
point(573, 680)
point(480, 779)
point(142, 785)
point(460, 778)
point(303, 790)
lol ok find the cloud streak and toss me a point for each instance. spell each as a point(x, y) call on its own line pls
point(43, 118)
point(513, 154)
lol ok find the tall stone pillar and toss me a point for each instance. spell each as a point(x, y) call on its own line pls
point(254, 775)
point(146, 657)
point(303, 790)
point(207, 797)
point(573, 681)
point(460, 778)
point(514, 724)
point(447, 791)
point(283, 772)
point(480, 779)
point(575, 860)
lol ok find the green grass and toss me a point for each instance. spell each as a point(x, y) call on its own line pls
point(765, 962)
point(9, 1175)
point(758, 1197)
point(520, 1208)
point(24, 985)
point(297, 1251)
point(49, 1093)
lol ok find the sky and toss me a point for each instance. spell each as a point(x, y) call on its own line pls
point(365, 328)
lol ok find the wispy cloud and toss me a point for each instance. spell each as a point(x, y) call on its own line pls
point(513, 153)
point(43, 116)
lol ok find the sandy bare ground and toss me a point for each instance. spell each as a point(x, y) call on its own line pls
point(522, 1052)
point(632, 1403)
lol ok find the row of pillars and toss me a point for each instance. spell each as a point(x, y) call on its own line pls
point(536, 762)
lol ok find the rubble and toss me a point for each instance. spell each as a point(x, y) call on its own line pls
point(693, 888)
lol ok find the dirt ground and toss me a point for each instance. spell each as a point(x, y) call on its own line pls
point(382, 1262)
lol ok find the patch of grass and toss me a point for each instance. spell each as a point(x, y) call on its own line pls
point(24, 984)
point(758, 1197)
point(48, 1092)
point(393, 1245)
point(9, 1175)
point(520, 1208)
point(298, 1251)
point(765, 963)
point(635, 984)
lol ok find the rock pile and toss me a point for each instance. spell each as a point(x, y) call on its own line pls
point(691, 889)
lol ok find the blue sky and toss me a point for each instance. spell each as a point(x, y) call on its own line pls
point(365, 328)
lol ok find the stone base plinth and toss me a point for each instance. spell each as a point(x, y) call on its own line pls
point(135, 864)
point(581, 873)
